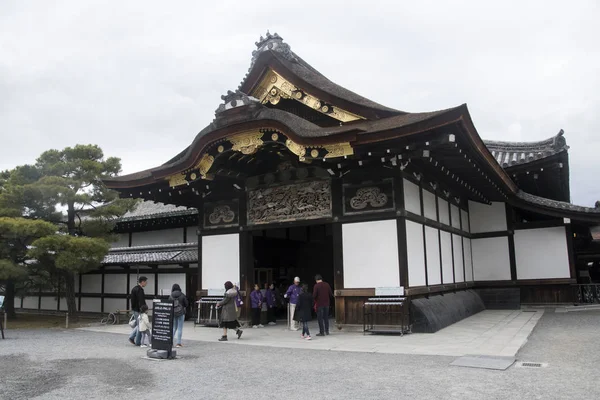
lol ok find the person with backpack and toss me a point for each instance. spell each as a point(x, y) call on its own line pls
point(180, 304)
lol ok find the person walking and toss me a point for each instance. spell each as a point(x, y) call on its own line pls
point(239, 301)
point(180, 305)
point(138, 299)
point(292, 293)
point(321, 294)
point(303, 310)
point(271, 302)
point(256, 302)
point(144, 325)
point(228, 317)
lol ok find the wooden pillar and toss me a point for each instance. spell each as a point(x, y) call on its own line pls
point(246, 269)
point(128, 277)
point(102, 290)
point(510, 227)
point(79, 300)
point(338, 270)
point(570, 248)
point(401, 231)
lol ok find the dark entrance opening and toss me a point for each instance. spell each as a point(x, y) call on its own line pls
point(280, 254)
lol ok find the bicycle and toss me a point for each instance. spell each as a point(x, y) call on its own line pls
point(113, 317)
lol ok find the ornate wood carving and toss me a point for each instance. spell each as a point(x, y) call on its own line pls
point(369, 197)
point(221, 214)
point(298, 201)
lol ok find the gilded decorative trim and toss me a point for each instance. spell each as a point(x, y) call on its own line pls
point(333, 150)
point(274, 87)
point(177, 179)
point(246, 143)
point(204, 164)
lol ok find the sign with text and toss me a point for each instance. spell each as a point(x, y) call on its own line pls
point(389, 291)
point(162, 325)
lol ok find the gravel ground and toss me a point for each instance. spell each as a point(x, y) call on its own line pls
point(58, 364)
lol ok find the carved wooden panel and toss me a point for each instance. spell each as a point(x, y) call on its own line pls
point(293, 202)
point(221, 214)
point(369, 197)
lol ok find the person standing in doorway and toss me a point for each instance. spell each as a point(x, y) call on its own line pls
point(321, 294)
point(138, 299)
point(271, 302)
point(180, 305)
point(256, 302)
point(292, 294)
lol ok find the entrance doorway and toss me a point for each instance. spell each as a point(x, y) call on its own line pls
point(281, 254)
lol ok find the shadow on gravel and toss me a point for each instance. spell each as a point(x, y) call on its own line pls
point(25, 378)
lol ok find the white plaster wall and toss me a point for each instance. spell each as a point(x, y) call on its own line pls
point(63, 304)
point(49, 303)
point(486, 218)
point(468, 260)
point(459, 272)
point(412, 199)
point(434, 275)
point(220, 260)
point(490, 259)
point(30, 302)
point(122, 241)
point(416, 254)
point(90, 304)
point(542, 253)
point(115, 283)
point(149, 289)
point(191, 236)
point(447, 273)
point(429, 205)
point(166, 281)
point(455, 216)
point(370, 251)
point(444, 213)
point(465, 220)
point(163, 236)
point(91, 283)
point(111, 305)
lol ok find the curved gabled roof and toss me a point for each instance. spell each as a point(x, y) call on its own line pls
point(509, 154)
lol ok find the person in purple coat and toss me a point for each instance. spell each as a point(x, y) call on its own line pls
point(271, 302)
point(256, 301)
point(292, 294)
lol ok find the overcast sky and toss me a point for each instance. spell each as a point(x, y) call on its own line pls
point(141, 78)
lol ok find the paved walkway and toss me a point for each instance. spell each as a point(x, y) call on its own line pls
point(490, 332)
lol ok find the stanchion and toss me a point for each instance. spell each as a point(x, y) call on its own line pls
point(289, 326)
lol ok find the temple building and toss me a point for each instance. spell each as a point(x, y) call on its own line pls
point(297, 175)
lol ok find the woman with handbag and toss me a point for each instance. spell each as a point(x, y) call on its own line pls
point(228, 317)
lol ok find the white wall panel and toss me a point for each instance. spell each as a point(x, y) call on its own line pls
point(490, 259)
point(166, 281)
point(220, 260)
point(542, 253)
point(163, 236)
point(149, 289)
point(465, 220)
point(459, 272)
point(447, 272)
point(486, 218)
point(49, 303)
point(111, 305)
point(30, 302)
point(455, 216)
point(90, 304)
point(115, 283)
point(468, 260)
point(429, 207)
point(91, 283)
point(434, 276)
point(122, 241)
point(444, 212)
point(416, 254)
point(412, 198)
point(191, 236)
point(63, 304)
point(370, 252)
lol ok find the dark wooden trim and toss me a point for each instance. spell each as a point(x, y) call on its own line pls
point(526, 282)
point(433, 224)
point(487, 235)
point(452, 242)
point(79, 299)
point(155, 268)
point(437, 215)
point(128, 286)
point(539, 224)
point(102, 290)
point(571, 251)
point(402, 251)
point(199, 268)
point(130, 239)
point(58, 294)
point(246, 267)
point(424, 237)
point(462, 245)
point(363, 292)
point(39, 299)
point(368, 216)
point(338, 269)
point(185, 234)
point(510, 221)
point(399, 192)
point(337, 198)
point(177, 268)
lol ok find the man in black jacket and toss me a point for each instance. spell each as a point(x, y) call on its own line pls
point(138, 299)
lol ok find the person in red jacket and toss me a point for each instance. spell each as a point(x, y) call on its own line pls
point(321, 294)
